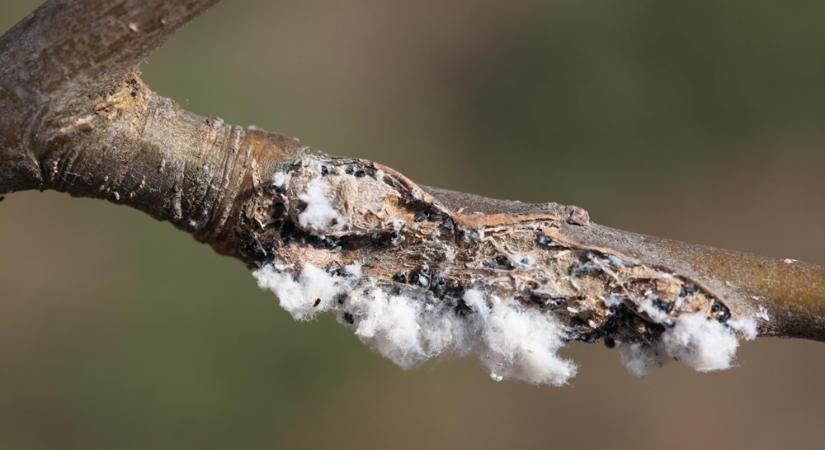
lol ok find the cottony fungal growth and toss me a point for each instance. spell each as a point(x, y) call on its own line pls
point(415, 280)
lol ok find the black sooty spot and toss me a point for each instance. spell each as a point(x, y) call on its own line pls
point(503, 262)
point(449, 224)
point(542, 239)
point(720, 311)
point(662, 305)
point(400, 277)
point(461, 308)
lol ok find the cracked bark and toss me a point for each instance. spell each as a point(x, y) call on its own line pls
point(75, 117)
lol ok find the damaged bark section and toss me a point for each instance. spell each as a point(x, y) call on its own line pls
point(508, 281)
point(334, 212)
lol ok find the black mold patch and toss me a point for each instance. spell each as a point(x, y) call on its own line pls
point(461, 308)
point(421, 276)
point(504, 262)
point(341, 298)
point(609, 342)
point(719, 311)
point(446, 288)
point(688, 289)
point(427, 212)
point(400, 277)
point(623, 325)
point(448, 225)
point(662, 305)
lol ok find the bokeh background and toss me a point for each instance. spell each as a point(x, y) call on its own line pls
point(701, 121)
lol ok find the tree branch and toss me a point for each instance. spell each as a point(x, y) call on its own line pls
point(87, 41)
point(75, 117)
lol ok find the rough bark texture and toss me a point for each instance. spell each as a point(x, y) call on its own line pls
point(75, 117)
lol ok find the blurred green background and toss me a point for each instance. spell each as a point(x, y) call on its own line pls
point(701, 121)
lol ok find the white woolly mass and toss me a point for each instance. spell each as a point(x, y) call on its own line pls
point(639, 359)
point(699, 342)
point(745, 326)
point(404, 330)
point(319, 213)
point(313, 291)
point(512, 341)
point(520, 343)
point(281, 180)
point(613, 300)
point(655, 313)
point(390, 323)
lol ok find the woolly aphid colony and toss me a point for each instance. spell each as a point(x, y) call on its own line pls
point(512, 340)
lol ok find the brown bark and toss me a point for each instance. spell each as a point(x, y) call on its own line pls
point(75, 117)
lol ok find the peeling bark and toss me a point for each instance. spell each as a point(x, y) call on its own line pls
point(75, 117)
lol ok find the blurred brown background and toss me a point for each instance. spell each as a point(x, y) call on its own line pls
point(701, 121)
